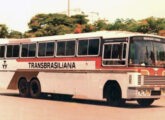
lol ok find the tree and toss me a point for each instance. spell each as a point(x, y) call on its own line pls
point(80, 19)
point(130, 25)
point(162, 33)
point(151, 25)
point(51, 24)
point(15, 34)
point(142, 26)
point(161, 23)
point(3, 31)
point(55, 24)
point(62, 29)
point(81, 23)
point(89, 28)
point(100, 25)
point(118, 25)
point(78, 28)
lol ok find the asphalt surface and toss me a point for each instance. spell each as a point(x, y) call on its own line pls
point(14, 107)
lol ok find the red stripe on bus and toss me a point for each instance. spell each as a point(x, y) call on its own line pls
point(59, 59)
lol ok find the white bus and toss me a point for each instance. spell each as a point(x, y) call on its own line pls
point(112, 65)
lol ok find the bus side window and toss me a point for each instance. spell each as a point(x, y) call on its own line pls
point(82, 47)
point(32, 50)
point(28, 50)
point(66, 48)
point(88, 47)
point(107, 51)
point(24, 50)
point(50, 49)
point(124, 51)
point(114, 54)
point(13, 51)
point(46, 49)
point(2, 51)
point(93, 47)
point(16, 50)
point(116, 51)
point(61, 48)
point(112, 51)
point(70, 48)
point(41, 49)
point(9, 51)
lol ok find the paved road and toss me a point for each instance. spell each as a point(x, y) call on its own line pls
point(13, 107)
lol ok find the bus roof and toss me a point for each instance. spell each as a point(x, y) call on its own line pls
point(103, 34)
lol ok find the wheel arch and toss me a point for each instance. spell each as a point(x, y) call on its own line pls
point(107, 84)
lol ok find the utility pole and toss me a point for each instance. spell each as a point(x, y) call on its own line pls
point(68, 7)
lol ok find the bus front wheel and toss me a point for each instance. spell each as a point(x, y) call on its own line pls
point(23, 88)
point(35, 88)
point(145, 102)
point(114, 95)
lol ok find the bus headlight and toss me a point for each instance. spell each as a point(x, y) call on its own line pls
point(148, 92)
point(163, 91)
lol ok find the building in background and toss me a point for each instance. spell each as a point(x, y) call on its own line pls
point(92, 16)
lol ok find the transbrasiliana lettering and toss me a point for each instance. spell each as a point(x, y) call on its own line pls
point(52, 65)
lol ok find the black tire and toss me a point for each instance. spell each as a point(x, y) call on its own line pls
point(23, 88)
point(35, 88)
point(114, 95)
point(145, 102)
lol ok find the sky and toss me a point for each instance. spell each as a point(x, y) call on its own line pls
point(17, 13)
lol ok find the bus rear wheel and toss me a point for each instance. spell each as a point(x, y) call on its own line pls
point(145, 102)
point(35, 88)
point(114, 95)
point(23, 88)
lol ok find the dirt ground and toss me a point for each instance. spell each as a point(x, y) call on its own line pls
point(13, 107)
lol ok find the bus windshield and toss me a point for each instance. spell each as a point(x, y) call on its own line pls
point(147, 53)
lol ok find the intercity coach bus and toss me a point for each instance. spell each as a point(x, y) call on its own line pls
point(106, 65)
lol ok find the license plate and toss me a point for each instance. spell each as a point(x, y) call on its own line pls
point(157, 88)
